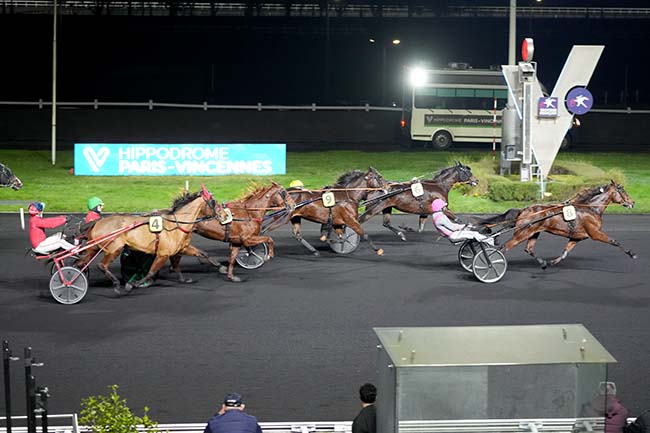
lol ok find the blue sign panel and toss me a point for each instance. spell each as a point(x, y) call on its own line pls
point(547, 107)
point(579, 100)
point(94, 159)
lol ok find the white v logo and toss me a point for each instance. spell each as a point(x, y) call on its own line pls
point(96, 159)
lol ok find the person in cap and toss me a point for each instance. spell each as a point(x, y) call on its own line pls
point(95, 207)
point(296, 184)
point(366, 420)
point(451, 230)
point(231, 418)
point(41, 243)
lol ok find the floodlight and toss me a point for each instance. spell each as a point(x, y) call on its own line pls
point(417, 77)
point(396, 42)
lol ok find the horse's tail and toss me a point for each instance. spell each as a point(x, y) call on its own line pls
point(508, 219)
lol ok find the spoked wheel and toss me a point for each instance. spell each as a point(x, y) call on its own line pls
point(68, 261)
point(345, 244)
point(489, 265)
point(252, 257)
point(467, 252)
point(134, 265)
point(69, 285)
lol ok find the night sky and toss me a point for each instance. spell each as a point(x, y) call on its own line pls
point(238, 60)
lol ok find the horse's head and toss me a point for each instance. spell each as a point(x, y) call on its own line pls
point(209, 199)
point(8, 179)
point(278, 197)
point(464, 174)
point(619, 195)
point(374, 179)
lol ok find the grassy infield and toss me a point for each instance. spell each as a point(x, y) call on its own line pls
point(66, 193)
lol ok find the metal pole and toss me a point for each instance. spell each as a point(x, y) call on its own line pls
point(383, 73)
point(512, 32)
point(54, 85)
point(29, 391)
point(43, 394)
point(6, 359)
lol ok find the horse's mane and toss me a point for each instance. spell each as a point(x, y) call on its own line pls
point(442, 172)
point(254, 190)
point(586, 194)
point(183, 199)
point(349, 177)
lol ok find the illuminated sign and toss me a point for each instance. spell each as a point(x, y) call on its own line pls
point(547, 107)
point(579, 100)
point(101, 159)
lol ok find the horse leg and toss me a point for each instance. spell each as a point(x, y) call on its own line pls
point(324, 231)
point(175, 267)
point(103, 266)
point(354, 225)
point(530, 249)
point(295, 227)
point(422, 222)
point(158, 263)
point(390, 227)
point(230, 276)
point(597, 235)
point(191, 250)
point(567, 249)
point(256, 240)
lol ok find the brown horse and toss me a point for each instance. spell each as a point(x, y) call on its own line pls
point(400, 197)
point(247, 217)
point(8, 179)
point(589, 205)
point(174, 237)
point(349, 190)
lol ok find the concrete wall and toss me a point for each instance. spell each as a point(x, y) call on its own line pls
point(301, 130)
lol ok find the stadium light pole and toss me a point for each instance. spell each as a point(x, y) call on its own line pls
point(512, 32)
point(54, 85)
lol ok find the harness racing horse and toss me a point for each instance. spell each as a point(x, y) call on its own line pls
point(247, 217)
point(589, 205)
point(172, 239)
point(348, 191)
point(8, 179)
point(400, 197)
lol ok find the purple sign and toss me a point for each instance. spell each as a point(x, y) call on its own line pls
point(547, 107)
point(579, 100)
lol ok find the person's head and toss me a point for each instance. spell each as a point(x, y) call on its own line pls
point(36, 208)
point(296, 184)
point(232, 401)
point(368, 393)
point(95, 204)
point(438, 205)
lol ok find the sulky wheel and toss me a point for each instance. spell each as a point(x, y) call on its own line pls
point(134, 265)
point(252, 257)
point(467, 252)
point(68, 286)
point(68, 261)
point(347, 243)
point(489, 265)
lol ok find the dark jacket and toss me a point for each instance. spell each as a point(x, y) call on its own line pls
point(233, 421)
point(366, 421)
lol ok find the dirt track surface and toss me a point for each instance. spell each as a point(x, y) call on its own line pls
point(295, 339)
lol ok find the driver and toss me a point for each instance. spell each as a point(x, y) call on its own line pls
point(453, 231)
point(95, 207)
point(41, 243)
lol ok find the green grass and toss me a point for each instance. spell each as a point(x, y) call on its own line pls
point(67, 193)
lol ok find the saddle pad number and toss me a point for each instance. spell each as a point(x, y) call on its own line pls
point(225, 216)
point(155, 224)
point(328, 199)
point(417, 190)
point(569, 213)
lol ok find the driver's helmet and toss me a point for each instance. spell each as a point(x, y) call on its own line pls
point(93, 202)
point(36, 208)
point(438, 204)
point(296, 184)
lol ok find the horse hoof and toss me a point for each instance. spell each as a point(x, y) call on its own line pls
point(234, 279)
point(128, 287)
point(187, 281)
point(323, 238)
point(401, 236)
point(316, 254)
point(117, 291)
point(634, 256)
point(223, 270)
point(380, 252)
point(543, 264)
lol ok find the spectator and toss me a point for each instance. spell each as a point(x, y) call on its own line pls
point(606, 404)
point(366, 420)
point(41, 243)
point(231, 418)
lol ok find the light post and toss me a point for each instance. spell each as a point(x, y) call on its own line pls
point(394, 42)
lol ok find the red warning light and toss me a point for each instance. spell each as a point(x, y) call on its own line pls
point(402, 123)
point(527, 50)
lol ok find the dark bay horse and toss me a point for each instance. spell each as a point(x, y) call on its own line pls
point(349, 190)
point(400, 197)
point(8, 179)
point(589, 205)
point(174, 238)
point(244, 230)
